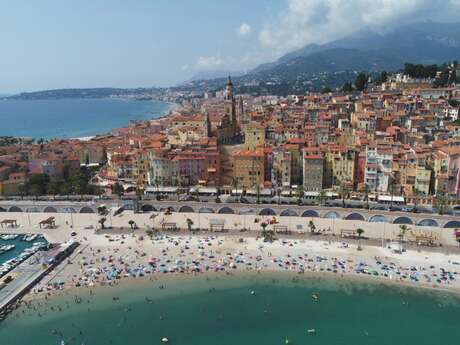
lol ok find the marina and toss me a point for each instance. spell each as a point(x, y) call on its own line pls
point(27, 270)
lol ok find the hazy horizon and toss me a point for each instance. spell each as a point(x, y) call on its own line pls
point(60, 44)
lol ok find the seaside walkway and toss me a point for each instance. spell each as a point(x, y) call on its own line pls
point(24, 275)
point(30, 272)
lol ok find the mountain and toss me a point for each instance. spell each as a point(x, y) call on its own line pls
point(368, 50)
point(206, 75)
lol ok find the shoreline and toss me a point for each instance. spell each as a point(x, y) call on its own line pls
point(363, 281)
point(86, 137)
point(91, 274)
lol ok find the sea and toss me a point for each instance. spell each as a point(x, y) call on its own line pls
point(265, 309)
point(19, 247)
point(73, 118)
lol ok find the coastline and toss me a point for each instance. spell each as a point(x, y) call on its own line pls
point(78, 276)
point(61, 131)
point(355, 280)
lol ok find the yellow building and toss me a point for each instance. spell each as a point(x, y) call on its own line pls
point(11, 186)
point(254, 136)
point(340, 167)
point(422, 180)
point(248, 168)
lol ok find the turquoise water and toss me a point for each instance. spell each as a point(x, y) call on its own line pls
point(20, 246)
point(223, 311)
point(70, 118)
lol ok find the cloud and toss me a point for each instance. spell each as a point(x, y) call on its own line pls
point(208, 62)
point(244, 30)
point(320, 21)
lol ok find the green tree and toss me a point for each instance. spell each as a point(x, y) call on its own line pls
point(383, 77)
point(403, 229)
point(322, 197)
point(65, 188)
point(189, 224)
point(347, 87)
point(79, 183)
point(312, 226)
point(132, 224)
point(300, 194)
point(53, 188)
point(118, 189)
point(366, 195)
point(235, 185)
point(326, 89)
point(37, 184)
point(440, 202)
point(360, 232)
point(23, 190)
point(361, 81)
point(102, 222)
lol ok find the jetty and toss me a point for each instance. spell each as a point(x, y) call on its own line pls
point(25, 276)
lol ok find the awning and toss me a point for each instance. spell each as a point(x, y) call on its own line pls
point(152, 189)
point(388, 198)
point(207, 190)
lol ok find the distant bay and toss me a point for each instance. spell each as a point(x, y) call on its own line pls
point(72, 118)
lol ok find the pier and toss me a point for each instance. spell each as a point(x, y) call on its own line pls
point(26, 275)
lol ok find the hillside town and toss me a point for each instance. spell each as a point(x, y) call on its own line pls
point(399, 138)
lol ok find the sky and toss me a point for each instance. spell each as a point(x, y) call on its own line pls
point(51, 44)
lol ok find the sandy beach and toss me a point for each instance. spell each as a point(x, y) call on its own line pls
point(109, 259)
point(108, 256)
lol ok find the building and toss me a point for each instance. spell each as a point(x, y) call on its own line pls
point(10, 186)
point(163, 171)
point(254, 136)
point(248, 168)
point(227, 131)
point(313, 166)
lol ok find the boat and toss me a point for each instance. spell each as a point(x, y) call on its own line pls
point(6, 248)
point(311, 331)
point(30, 238)
point(165, 340)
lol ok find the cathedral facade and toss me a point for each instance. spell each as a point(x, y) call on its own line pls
point(228, 130)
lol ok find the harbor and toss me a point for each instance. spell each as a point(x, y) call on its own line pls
point(22, 274)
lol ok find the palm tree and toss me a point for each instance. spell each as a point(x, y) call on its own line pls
point(403, 229)
point(366, 195)
point(267, 235)
point(343, 192)
point(359, 231)
point(391, 182)
point(235, 185)
point(102, 221)
point(322, 197)
point(440, 202)
point(312, 226)
point(189, 224)
point(132, 224)
point(299, 194)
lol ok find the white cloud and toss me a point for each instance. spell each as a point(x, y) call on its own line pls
point(185, 67)
point(207, 62)
point(319, 21)
point(244, 29)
